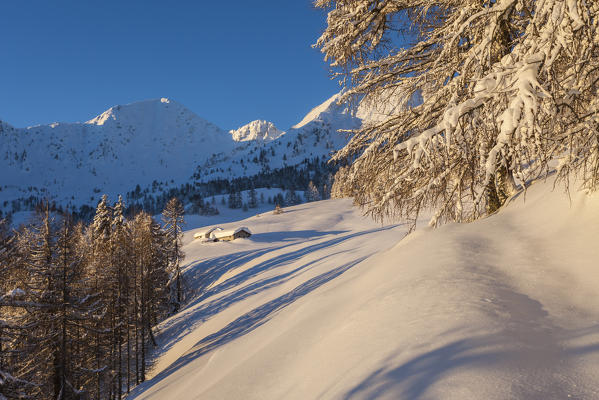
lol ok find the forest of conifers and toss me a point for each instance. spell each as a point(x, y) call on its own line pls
point(78, 302)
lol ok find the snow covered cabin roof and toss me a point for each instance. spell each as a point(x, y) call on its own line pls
point(230, 232)
point(206, 233)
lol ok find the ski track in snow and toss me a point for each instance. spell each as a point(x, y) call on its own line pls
point(321, 303)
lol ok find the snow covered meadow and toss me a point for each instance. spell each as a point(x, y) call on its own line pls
point(323, 303)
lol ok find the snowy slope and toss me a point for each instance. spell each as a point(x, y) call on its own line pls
point(321, 303)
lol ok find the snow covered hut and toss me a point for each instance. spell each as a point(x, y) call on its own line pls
point(232, 234)
point(207, 233)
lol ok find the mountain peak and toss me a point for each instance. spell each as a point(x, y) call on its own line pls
point(139, 108)
point(256, 130)
point(330, 106)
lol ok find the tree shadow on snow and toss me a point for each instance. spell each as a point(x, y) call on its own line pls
point(284, 236)
point(537, 378)
point(248, 322)
point(206, 272)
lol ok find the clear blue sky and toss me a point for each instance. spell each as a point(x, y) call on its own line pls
point(230, 62)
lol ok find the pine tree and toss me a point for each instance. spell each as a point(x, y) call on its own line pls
point(122, 256)
point(172, 217)
point(253, 199)
point(312, 193)
point(291, 198)
point(231, 200)
point(484, 99)
point(238, 199)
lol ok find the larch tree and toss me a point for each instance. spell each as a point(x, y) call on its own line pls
point(50, 309)
point(173, 220)
point(101, 268)
point(507, 92)
point(78, 304)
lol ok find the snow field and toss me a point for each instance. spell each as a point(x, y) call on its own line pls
point(322, 303)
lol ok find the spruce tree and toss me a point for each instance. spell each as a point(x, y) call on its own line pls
point(253, 199)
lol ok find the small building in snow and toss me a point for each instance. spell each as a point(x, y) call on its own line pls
point(232, 234)
point(207, 234)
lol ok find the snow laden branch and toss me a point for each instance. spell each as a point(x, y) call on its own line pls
point(507, 90)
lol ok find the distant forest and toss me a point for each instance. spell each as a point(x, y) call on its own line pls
point(196, 193)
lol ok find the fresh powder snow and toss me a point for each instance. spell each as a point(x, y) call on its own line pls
point(323, 303)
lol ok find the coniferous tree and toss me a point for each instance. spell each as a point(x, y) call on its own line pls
point(173, 220)
point(101, 268)
point(50, 309)
point(77, 305)
point(122, 256)
point(312, 193)
point(253, 199)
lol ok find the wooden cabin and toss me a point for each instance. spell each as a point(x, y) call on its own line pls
point(232, 234)
point(207, 234)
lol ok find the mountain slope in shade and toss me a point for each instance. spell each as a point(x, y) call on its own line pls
point(256, 130)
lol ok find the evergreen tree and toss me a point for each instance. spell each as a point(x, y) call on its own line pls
point(312, 193)
point(172, 217)
point(253, 199)
point(291, 198)
point(122, 260)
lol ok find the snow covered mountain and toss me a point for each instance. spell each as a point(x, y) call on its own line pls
point(113, 152)
point(150, 143)
point(316, 135)
point(256, 130)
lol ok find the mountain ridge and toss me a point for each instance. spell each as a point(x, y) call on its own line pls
point(150, 141)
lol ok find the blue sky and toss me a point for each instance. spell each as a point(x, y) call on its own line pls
point(230, 62)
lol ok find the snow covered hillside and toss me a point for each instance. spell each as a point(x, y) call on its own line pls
point(112, 153)
point(322, 303)
point(156, 144)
